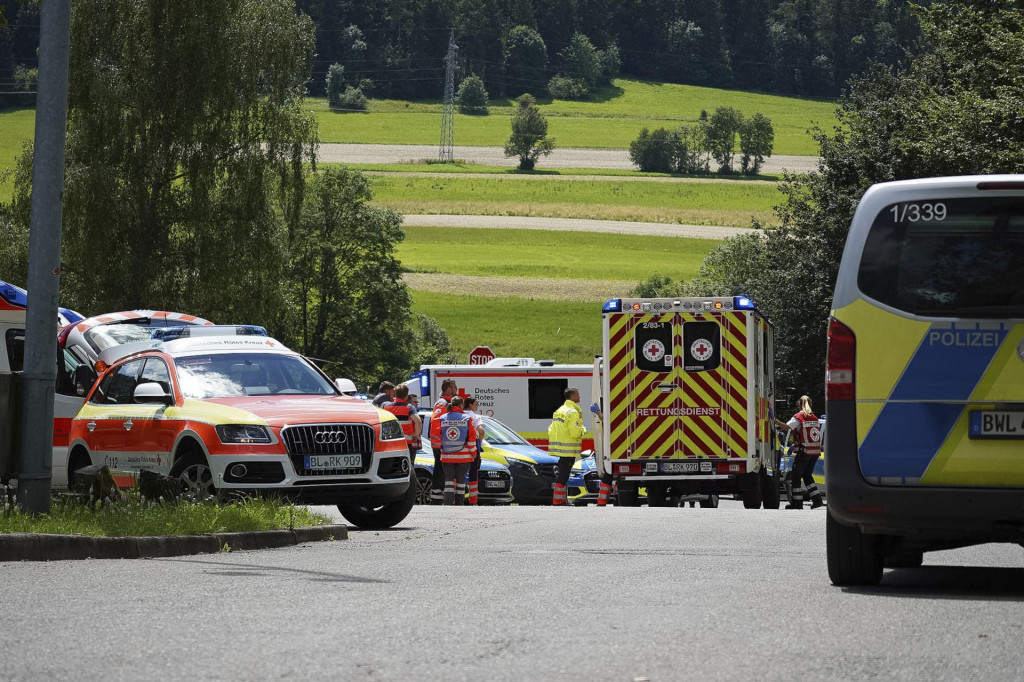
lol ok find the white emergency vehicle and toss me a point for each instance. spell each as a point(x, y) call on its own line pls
point(521, 392)
point(684, 387)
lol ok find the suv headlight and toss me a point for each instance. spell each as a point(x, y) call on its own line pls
point(391, 430)
point(243, 433)
point(518, 466)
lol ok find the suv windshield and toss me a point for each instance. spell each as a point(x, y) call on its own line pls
point(229, 375)
point(948, 258)
point(497, 433)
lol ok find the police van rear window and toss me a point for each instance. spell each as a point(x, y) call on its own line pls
point(947, 258)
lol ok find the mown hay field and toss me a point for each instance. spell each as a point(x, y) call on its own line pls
point(730, 204)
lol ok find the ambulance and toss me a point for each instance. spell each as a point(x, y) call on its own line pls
point(925, 375)
point(521, 392)
point(683, 388)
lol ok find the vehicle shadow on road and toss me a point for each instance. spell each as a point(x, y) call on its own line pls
point(234, 570)
point(972, 583)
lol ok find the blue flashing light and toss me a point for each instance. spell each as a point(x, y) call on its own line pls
point(71, 316)
point(13, 295)
point(742, 303)
point(612, 305)
point(182, 332)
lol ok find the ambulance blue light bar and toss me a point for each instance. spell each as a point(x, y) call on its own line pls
point(13, 295)
point(612, 305)
point(189, 331)
point(742, 303)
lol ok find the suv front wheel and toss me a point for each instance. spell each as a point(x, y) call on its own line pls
point(379, 517)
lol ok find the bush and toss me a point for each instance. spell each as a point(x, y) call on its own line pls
point(25, 81)
point(472, 97)
point(561, 87)
point(654, 152)
point(352, 99)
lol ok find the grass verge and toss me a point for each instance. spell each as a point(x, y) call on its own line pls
point(137, 518)
point(513, 327)
point(689, 203)
point(543, 253)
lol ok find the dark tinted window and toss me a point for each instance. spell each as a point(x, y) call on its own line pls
point(546, 396)
point(16, 349)
point(652, 347)
point(702, 346)
point(953, 258)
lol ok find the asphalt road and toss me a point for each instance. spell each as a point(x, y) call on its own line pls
point(522, 594)
point(564, 157)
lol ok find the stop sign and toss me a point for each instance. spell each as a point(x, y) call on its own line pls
point(481, 355)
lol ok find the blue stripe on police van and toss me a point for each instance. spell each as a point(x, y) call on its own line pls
point(949, 362)
point(905, 438)
point(947, 366)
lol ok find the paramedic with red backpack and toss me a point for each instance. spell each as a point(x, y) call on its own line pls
point(808, 431)
point(448, 389)
point(458, 450)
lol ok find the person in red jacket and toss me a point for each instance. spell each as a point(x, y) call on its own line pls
point(458, 450)
point(407, 417)
point(448, 389)
point(807, 431)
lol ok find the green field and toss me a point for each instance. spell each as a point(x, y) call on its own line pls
point(611, 122)
point(542, 253)
point(515, 327)
point(690, 203)
point(16, 126)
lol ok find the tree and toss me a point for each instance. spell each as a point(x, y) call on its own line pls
point(529, 140)
point(654, 152)
point(757, 137)
point(472, 96)
point(335, 84)
point(609, 64)
point(526, 60)
point(185, 155)
point(720, 136)
point(347, 300)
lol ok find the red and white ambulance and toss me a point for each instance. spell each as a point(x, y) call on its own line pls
point(521, 392)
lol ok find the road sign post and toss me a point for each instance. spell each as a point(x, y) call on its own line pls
point(481, 355)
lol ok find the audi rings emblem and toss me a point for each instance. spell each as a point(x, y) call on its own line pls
point(330, 437)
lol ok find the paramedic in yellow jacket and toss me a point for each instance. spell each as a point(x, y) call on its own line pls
point(564, 438)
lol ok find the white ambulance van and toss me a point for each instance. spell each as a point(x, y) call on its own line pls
point(522, 393)
point(925, 375)
point(684, 388)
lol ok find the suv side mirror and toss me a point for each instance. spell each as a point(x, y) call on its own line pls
point(152, 392)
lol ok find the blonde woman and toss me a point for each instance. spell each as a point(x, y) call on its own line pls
point(807, 431)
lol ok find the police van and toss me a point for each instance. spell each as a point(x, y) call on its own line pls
point(925, 375)
point(684, 387)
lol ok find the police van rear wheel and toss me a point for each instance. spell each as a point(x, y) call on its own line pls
point(379, 517)
point(424, 483)
point(854, 558)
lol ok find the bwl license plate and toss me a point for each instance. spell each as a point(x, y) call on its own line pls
point(320, 462)
point(494, 484)
point(680, 467)
point(996, 424)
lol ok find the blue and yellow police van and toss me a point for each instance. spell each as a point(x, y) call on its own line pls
point(925, 375)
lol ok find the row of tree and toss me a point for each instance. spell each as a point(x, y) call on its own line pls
point(690, 148)
point(807, 47)
point(187, 187)
point(954, 109)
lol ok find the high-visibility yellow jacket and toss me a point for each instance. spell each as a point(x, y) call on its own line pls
point(566, 431)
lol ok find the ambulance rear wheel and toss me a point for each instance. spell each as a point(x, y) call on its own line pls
point(751, 493)
point(657, 496)
point(854, 558)
point(628, 497)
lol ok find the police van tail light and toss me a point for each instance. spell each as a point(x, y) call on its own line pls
point(839, 367)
